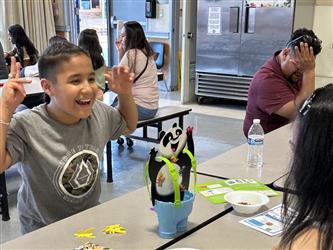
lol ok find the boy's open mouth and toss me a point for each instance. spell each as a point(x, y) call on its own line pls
point(83, 102)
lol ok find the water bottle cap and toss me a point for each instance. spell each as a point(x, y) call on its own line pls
point(256, 120)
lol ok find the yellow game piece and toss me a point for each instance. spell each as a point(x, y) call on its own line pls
point(87, 233)
point(114, 229)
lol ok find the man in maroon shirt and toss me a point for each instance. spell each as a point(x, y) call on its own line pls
point(282, 84)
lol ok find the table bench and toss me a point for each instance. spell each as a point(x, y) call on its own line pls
point(163, 114)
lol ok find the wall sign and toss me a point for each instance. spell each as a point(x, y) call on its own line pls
point(214, 20)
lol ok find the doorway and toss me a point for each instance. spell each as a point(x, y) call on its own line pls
point(103, 15)
point(93, 14)
point(121, 10)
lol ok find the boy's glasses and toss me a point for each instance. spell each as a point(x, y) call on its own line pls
point(305, 38)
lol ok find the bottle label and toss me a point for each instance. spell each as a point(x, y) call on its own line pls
point(255, 141)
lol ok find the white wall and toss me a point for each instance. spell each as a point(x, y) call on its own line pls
point(323, 27)
point(60, 19)
point(162, 20)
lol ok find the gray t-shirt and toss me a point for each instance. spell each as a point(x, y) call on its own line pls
point(59, 164)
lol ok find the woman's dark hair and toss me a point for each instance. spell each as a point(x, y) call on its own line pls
point(53, 58)
point(311, 174)
point(21, 41)
point(88, 40)
point(136, 39)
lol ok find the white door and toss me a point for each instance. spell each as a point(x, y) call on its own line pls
point(188, 51)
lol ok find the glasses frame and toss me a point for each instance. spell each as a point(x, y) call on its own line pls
point(307, 104)
point(305, 38)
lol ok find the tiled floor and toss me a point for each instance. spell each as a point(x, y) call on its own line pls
point(217, 128)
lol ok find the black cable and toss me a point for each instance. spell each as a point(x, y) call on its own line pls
point(210, 175)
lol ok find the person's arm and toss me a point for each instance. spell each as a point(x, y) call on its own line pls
point(10, 53)
point(31, 60)
point(120, 81)
point(120, 50)
point(307, 240)
point(305, 61)
point(13, 94)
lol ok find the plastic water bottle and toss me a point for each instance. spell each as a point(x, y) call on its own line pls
point(255, 141)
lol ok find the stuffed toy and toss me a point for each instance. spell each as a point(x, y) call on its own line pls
point(176, 148)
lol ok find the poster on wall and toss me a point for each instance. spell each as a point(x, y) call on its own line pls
point(214, 20)
point(268, 3)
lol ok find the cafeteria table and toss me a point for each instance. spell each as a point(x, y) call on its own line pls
point(32, 89)
point(132, 211)
point(232, 164)
point(279, 185)
point(228, 233)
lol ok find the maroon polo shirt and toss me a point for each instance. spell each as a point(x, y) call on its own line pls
point(269, 91)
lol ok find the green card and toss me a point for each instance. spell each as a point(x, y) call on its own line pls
point(214, 191)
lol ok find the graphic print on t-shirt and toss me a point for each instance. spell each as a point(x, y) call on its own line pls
point(78, 174)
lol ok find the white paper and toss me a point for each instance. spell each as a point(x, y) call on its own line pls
point(216, 191)
point(269, 222)
point(214, 186)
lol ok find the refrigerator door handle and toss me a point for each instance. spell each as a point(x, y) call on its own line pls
point(250, 20)
point(233, 19)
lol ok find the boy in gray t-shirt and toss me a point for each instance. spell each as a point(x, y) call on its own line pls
point(57, 145)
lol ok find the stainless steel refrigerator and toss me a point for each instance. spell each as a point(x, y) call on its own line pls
point(234, 38)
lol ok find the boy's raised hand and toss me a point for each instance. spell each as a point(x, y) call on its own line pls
point(13, 92)
point(120, 80)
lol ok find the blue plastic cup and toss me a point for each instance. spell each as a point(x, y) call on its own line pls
point(173, 219)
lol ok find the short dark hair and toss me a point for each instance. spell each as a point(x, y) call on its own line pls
point(311, 173)
point(54, 57)
point(307, 36)
point(57, 39)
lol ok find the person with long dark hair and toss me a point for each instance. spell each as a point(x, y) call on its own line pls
point(135, 52)
point(24, 49)
point(310, 224)
point(88, 41)
point(3, 68)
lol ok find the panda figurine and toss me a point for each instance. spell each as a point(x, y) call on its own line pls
point(172, 145)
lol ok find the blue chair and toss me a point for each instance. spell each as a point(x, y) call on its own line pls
point(158, 48)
